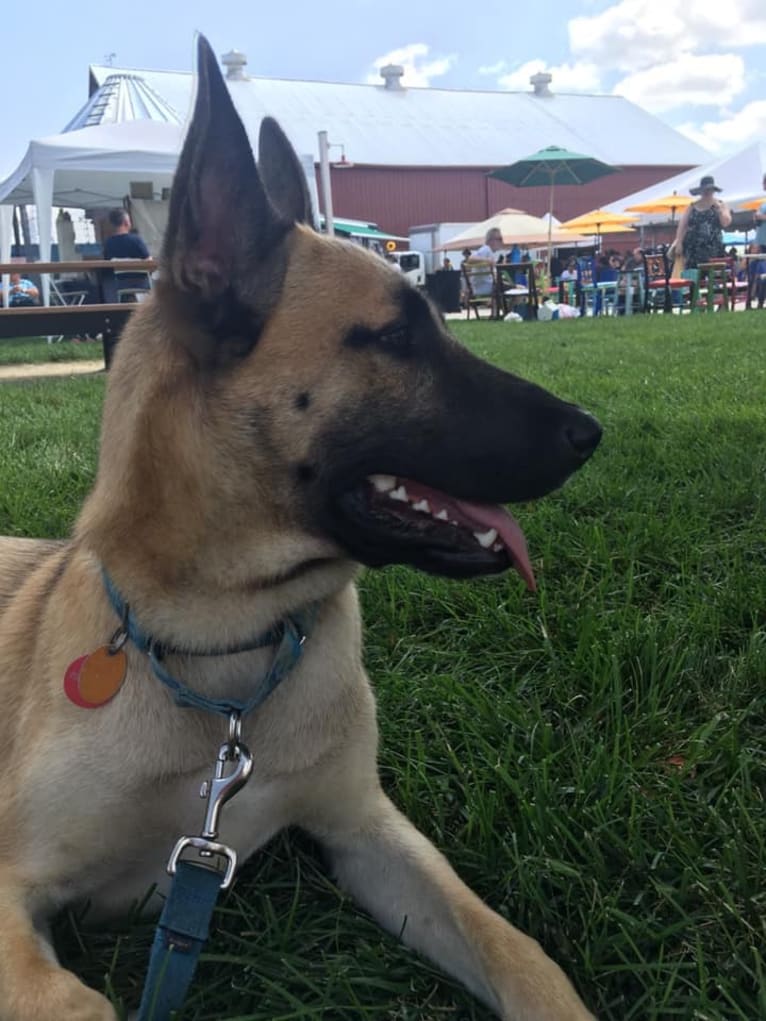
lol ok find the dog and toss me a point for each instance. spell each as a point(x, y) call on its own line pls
point(283, 409)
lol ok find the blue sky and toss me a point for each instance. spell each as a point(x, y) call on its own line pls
point(698, 64)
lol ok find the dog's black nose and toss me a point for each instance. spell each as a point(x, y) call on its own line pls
point(582, 433)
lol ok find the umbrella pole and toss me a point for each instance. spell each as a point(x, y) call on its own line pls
point(550, 227)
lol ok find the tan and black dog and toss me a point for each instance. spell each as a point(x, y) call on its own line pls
point(284, 408)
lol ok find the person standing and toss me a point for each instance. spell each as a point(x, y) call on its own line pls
point(757, 268)
point(700, 230)
point(760, 222)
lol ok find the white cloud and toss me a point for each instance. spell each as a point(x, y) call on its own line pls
point(417, 69)
point(690, 80)
point(635, 34)
point(582, 77)
point(734, 131)
point(497, 68)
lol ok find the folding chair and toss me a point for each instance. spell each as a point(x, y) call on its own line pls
point(479, 287)
point(714, 284)
point(663, 291)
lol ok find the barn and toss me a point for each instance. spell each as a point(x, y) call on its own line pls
point(406, 156)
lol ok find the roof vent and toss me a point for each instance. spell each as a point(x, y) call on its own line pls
point(235, 63)
point(392, 76)
point(540, 83)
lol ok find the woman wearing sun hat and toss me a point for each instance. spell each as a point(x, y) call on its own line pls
point(700, 229)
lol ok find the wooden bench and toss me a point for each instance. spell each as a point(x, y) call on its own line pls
point(107, 318)
point(67, 320)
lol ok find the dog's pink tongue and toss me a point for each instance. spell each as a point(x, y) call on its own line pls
point(484, 516)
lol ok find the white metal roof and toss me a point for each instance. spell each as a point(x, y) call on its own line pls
point(440, 127)
point(123, 97)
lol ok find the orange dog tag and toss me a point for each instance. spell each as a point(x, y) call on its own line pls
point(92, 681)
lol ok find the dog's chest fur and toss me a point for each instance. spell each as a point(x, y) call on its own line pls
point(103, 794)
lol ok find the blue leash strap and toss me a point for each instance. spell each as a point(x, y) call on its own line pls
point(183, 927)
point(181, 934)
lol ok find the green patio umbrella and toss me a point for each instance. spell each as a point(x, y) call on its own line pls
point(552, 166)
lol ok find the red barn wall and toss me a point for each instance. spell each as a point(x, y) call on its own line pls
point(397, 198)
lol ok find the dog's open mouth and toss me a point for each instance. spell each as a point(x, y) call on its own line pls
point(454, 535)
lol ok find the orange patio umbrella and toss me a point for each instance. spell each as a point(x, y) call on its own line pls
point(752, 204)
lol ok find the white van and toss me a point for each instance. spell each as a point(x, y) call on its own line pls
point(412, 265)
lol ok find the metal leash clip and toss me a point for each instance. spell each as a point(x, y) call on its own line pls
point(218, 791)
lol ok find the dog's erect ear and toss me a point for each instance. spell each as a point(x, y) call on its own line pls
point(282, 173)
point(221, 224)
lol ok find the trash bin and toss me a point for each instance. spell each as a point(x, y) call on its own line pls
point(443, 287)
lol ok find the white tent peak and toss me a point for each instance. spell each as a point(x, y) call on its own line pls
point(123, 96)
point(739, 175)
point(516, 227)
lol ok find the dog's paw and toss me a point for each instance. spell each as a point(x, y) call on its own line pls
point(56, 996)
point(555, 1000)
point(540, 991)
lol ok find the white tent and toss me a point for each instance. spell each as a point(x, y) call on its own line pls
point(739, 175)
point(88, 169)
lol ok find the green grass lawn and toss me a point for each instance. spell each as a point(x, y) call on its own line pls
point(591, 757)
point(31, 350)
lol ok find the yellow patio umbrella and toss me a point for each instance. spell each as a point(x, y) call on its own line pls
point(606, 228)
point(598, 219)
point(599, 222)
point(665, 204)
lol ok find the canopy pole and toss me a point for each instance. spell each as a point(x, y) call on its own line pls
point(42, 188)
point(324, 170)
point(6, 229)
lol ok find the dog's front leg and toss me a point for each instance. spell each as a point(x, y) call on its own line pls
point(411, 889)
point(32, 986)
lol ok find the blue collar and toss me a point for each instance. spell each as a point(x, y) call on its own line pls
point(288, 636)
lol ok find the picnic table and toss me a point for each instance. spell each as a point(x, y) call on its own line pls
point(107, 317)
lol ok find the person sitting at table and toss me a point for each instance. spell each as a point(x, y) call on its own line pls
point(514, 255)
point(570, 273)
point(124, 242)
point(22, 292)
point(634, 260)
point(488, 252)
point(608, 269)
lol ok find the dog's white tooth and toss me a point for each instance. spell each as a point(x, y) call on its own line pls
point(422, 505)
point(497, 547)
point(398, 494)
point(441, 516)
point(383, 483)
point(485, 539)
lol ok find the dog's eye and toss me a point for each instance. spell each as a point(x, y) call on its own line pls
point(396, 339)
